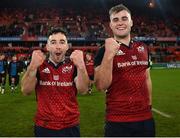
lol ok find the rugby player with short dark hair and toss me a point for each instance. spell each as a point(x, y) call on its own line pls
point(56, 81)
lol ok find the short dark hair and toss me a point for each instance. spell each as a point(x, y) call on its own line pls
point(57, 30)
point(118, 8)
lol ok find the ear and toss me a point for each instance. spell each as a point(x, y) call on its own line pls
point(67, 46)
point(131, 22)
point(110, 25)
point(47, 47)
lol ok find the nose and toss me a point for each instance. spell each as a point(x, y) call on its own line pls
point(58, 46)
point(119, 23)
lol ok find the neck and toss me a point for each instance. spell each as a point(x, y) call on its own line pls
point(55, 63)
point(125, 40)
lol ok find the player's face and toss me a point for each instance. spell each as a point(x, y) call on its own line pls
point(121, 23)
point(57, 47)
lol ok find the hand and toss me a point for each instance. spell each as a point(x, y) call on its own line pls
point(111, 47)
point(77, 58)
point(38, 58)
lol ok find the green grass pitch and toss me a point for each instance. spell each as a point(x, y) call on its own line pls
point(17, 111)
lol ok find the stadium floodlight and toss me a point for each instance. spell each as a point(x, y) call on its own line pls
point(151, 4)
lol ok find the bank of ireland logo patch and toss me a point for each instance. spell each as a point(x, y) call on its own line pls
point(67, 69)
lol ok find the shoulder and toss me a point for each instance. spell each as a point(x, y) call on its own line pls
point(139, 43)
point(140, 46)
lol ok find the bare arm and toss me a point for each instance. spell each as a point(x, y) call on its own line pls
point(29, 81)
point(149, 84)
point(82, 78)
point(103, 72)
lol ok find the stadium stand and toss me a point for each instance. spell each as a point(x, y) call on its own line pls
point(24, 29)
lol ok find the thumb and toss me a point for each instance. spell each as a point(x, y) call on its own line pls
point(71, 57)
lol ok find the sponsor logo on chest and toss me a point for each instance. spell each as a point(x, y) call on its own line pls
point(55, 83)
point(132, 63)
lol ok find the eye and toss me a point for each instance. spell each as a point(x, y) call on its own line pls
point(53, 42)
point(115, 20)
point(62, 42)
point(124, 18)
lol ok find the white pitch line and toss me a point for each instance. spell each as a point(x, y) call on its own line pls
point(161, 113)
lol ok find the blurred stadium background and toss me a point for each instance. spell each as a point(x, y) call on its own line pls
point(24, 26)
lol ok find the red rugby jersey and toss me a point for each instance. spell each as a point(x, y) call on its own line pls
point(57, 106)
point(127, 98)
point(90, 67)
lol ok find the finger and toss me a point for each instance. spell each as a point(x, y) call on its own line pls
point(71, 57)
point(43, 57)
point(76, 51)
point(36, 51)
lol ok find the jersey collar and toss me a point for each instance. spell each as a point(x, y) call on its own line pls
point(54, 64)
point(122, 44)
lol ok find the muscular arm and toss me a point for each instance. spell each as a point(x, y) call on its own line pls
point(29, 81)
point(149, 84)
point(103, 73)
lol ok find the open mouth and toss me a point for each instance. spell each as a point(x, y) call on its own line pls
point(58, 54)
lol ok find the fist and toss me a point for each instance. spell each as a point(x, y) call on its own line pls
point(111, 47)
point(38, 58)
point(77, 58)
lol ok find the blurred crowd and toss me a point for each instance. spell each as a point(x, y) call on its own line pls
point(88, 24)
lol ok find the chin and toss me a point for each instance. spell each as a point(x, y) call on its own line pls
point(122, 33)
point(59, 59)
point(121, 36)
